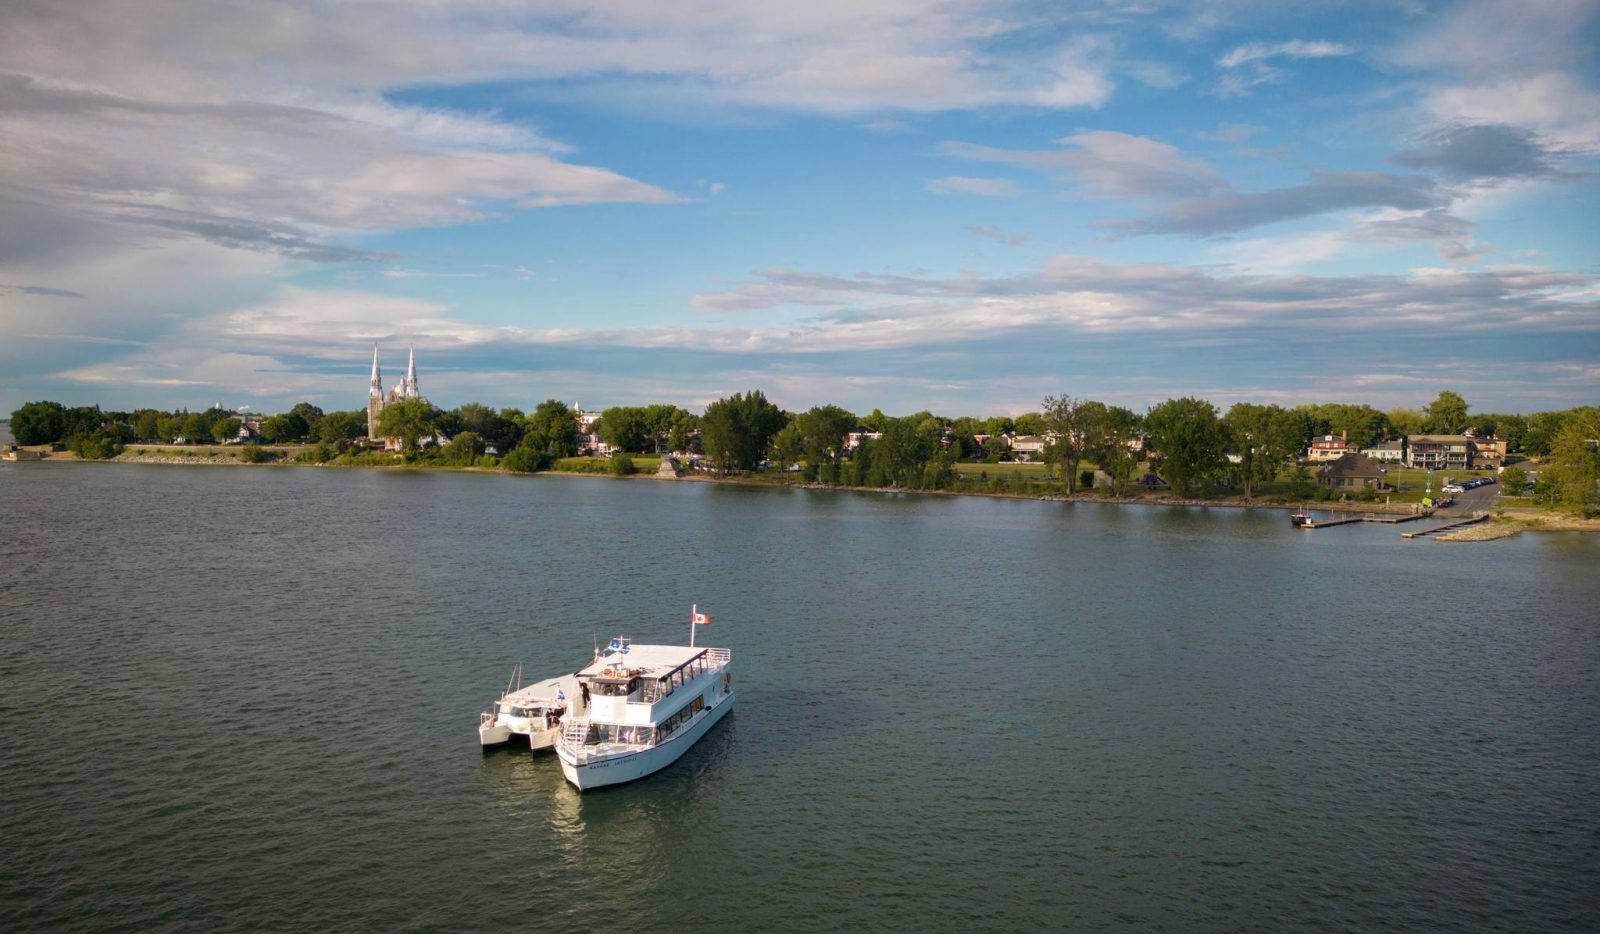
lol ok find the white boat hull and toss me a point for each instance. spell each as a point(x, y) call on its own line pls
point(587, 773)
point(493, 734)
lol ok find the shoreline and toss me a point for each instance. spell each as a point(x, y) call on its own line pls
point(1504, 526)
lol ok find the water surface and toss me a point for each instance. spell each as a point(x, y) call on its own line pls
point(247, 697)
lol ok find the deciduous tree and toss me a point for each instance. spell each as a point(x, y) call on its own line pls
point(1263, 436)
point(1188, 438)
point(408, 420)
point(1446, 414)
point(737, 431)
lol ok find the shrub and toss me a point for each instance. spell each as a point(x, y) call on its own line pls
point(252, 454)
point(622, 465)
point(524, 459)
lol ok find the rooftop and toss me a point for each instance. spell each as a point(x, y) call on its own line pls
point(642, 661)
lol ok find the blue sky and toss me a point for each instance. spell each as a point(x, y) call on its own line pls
point(955, 205)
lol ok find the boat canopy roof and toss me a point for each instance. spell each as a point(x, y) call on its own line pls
point(544, 691)
point(641, 661)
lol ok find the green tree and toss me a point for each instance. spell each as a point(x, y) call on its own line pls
point(875, 420)
point(738, 430)
point(497, 428)
point(1447, 414)
point(1029, 423)
point(463, 450)
point(1188, 439)
point(1513, 479)
point(1263, 436)
point(1542, 428)
point(1072, 421)
point(622, 464)
point(907, 449)
point(552, 428)
point(816, 436)
point(104, 442)
point(308, 413)
point(625, 427)
point(1574, 464)
point(1403, 423)
point(335, 427)
point(146, 424)
point(39, 423)
point(525, 459)
point(407, 420)
point(197, 428)
point(1114, 446)
point(289, 426)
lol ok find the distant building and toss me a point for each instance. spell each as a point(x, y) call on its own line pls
point(1351, 472)
point(1441, 452)
point(376, 399)
point(853, 439)
point(1488, 452)
point(1328, 448)
point(1386, 452)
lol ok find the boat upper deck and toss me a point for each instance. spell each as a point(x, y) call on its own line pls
point(649, 662)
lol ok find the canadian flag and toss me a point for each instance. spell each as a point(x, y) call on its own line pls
point(701, 619)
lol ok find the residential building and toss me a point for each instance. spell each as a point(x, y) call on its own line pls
point(1487, 452)
point(1328, 448)
point(1386, 452)
point(853, 439)
point(1351, 472)
point(1441, 452)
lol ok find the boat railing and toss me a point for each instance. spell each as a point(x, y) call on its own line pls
point(575, 734)
point(718, 657)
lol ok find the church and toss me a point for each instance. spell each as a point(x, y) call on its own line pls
point(376, 400)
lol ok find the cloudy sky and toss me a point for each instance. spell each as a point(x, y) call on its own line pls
point(955, 204)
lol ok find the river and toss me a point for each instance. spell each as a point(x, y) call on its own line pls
point(246, 698)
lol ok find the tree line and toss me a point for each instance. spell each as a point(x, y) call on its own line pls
point(1186, 442)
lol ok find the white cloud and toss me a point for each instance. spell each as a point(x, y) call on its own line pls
point(1107, 163)
point(963, 185)
point(1259, 51)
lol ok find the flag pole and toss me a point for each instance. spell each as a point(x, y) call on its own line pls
point(694, 610)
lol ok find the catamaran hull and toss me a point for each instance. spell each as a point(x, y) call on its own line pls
point(493, 735)
point(616, 770)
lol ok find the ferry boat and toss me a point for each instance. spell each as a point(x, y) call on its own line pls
point(534, 712)
point(640, 707)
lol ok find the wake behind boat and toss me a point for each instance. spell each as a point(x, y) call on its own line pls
point(641, 707)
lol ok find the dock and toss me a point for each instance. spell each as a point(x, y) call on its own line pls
point(1329, 523)
point(1313, 523)
point(1447, 527)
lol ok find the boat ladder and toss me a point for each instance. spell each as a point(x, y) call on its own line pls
point(574, 734)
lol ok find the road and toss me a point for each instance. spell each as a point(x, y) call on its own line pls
point(1481, 499)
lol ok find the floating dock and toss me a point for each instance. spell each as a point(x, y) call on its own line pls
point(1447, 527)
point(1314, 523)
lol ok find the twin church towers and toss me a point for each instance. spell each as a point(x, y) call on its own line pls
point(403, 390)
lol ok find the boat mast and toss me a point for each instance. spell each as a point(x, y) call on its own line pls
point(694, 611)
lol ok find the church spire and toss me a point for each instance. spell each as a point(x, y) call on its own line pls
point(376, 386)
point(411, 375)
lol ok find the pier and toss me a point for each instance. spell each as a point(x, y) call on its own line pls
point(1447, 527)
point(1312, 523)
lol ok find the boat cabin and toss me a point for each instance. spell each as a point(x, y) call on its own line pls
point(640, 691)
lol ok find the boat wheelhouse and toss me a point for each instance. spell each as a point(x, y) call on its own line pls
point(639, 708)
point(534, 712)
